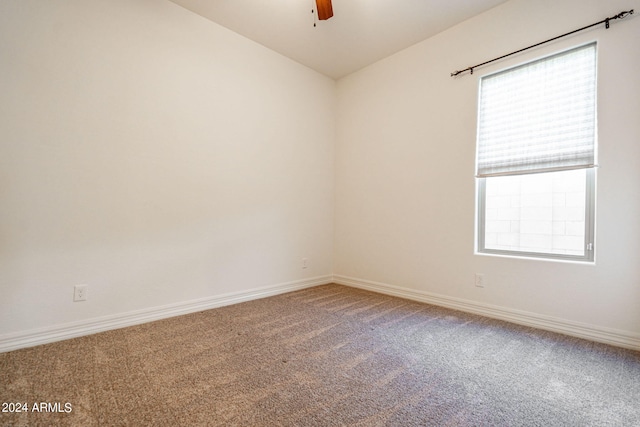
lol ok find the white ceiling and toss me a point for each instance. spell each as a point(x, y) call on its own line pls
point(360, 33)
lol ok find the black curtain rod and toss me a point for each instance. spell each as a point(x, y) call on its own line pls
point(604, 21)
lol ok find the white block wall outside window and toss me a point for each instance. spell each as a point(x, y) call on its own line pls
point(536, 213)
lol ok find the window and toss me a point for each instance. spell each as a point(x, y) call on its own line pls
point(536, 158)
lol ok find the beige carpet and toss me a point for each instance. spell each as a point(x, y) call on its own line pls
point(325, 356)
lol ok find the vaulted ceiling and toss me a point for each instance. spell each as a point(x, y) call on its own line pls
point(360, 33)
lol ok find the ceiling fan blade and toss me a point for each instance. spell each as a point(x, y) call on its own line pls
point(325, 10)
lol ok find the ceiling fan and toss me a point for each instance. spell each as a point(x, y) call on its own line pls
point(324, 8)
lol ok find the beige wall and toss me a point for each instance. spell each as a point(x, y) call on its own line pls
point(405, 187)
point(156, 157)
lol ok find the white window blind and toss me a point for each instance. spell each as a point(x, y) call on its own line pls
point(540, 116)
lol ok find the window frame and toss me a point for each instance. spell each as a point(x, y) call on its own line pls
point(589, 234)
point(590, 190)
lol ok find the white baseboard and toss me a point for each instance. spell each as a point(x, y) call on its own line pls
point(47, 335)
point(593, 333)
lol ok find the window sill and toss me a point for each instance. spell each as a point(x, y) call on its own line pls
point(537, 258)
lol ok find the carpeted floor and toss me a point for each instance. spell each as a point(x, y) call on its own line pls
point(325, 356)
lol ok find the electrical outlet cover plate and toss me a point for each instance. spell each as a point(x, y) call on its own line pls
point(80, 292)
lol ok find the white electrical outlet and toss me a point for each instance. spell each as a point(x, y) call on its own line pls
point(305, 263)
point(80, 292)
point(480, 280)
